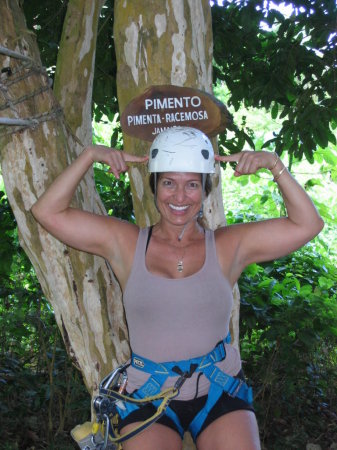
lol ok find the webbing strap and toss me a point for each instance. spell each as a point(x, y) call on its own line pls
point(235, 387)
point(220, 382)
point(166, 369)
point(214, 394)
point(152, 386)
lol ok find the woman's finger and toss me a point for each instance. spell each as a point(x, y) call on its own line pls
point(118, 161)
point(135, 158)
point(228, 158)
point(246, 162)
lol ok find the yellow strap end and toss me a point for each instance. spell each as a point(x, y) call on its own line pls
point(95, 427)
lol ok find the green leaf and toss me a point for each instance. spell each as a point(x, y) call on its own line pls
point(274, 111)
point(329, 156)
point(326, 283)
point(306, 290)
point(320, 135)
point(313, 182)
point(268, 143)
point(102, 176)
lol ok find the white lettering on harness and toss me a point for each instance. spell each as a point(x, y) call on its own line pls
point(138, 362)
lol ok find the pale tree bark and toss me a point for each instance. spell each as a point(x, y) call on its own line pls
point(81, 288)
point(165, 42)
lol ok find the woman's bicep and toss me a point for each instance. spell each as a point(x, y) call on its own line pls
point(242, 244)
point(82, 230)
point(270, 239)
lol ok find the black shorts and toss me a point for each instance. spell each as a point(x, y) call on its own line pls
point(186, 410)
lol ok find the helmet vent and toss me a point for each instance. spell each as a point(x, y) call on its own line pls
point(205, 153)
point(154, 152)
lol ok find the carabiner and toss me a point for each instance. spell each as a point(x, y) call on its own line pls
point(106, 382)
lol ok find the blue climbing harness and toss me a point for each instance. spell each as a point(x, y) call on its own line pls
point(159, 372)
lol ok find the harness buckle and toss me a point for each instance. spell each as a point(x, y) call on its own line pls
point(237, 389)
point(181, 380)
point(183, 375)
point(222, 349)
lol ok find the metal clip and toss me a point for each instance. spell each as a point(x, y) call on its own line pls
point(113, 377)
point(183, 375)
point(181, 380)
point(238, 387)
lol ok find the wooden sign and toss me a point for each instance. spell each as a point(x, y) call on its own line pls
point(162, 107)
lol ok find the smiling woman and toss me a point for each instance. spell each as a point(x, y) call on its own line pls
point(181, 192)
point(177, 279)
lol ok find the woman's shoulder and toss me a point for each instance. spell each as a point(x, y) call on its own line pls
point(229, 231)
point(122, 246)
point(227, 241)
point(235, 229)
point(120, 229)
point(125, 234)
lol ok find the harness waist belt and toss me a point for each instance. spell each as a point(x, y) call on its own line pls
point(170, 368)
point(220, 382)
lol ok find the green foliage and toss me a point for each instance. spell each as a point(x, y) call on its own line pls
point(115, 193)
point(105, 89)
point(289, 329)
point(45, 18)
point(288, 312)
point(7, 231)
point(285, 64)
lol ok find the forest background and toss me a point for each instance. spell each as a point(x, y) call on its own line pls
point(288, 307)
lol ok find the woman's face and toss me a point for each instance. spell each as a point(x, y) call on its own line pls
point(179, 196)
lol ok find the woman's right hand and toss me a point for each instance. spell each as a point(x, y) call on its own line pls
point(116, 159)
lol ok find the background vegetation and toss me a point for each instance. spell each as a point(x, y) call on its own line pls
point(289, 310)
point(279, 82)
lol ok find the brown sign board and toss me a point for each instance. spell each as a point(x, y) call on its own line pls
point(166, 106)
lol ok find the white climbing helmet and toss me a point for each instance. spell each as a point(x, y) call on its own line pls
point(181, 149)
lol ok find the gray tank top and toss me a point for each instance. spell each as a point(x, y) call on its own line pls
point(175, 319)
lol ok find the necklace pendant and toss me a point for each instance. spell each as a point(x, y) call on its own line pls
point(180, 266)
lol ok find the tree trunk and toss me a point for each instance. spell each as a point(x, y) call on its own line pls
point(80, 287)
point(165, 42)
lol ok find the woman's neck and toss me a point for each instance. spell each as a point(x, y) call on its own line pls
point(178, 233)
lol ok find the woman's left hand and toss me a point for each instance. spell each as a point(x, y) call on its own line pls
point(249, 162)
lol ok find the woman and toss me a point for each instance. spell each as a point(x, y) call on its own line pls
point(177, 281)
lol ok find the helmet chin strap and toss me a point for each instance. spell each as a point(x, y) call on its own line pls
point(188, 222)
point(201, 211)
